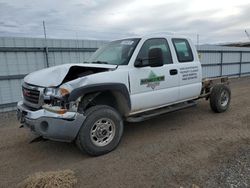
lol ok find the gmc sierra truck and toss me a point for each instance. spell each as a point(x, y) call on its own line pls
point(126, 80)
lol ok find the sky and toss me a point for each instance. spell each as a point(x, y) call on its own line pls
point(215, 21)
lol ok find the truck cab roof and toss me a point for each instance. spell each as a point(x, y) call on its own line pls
point(160, 35)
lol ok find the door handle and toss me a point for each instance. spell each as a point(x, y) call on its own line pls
point(173, 71)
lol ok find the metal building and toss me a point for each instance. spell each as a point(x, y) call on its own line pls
point(224, 61)
point(20, 56)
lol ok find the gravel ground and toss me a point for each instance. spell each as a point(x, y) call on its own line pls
point(189, 148)
point(233, 171)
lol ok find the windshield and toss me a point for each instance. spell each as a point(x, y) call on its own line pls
point(116, 52)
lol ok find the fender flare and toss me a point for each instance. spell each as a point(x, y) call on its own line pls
point(118, 87)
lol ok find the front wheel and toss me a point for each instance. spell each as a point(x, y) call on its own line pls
point(101, 131)
point(220, 98)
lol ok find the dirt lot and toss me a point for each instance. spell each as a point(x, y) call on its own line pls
point(192, 146)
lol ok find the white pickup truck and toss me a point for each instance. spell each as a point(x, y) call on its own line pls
point(126, 80)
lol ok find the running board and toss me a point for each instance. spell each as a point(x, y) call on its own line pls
point(150, 114)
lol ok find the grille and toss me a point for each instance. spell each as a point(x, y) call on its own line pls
point(31, 95)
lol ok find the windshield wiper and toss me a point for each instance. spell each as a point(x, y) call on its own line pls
point(99, 62)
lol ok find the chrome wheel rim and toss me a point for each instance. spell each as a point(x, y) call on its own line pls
point(224, 98)
point(102, 132)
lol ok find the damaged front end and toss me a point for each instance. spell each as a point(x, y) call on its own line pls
point(49, 88)
point(50, 125)
point(47, 113)
point(58, 75)
point(45, 108)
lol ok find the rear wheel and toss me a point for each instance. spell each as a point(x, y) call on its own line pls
point(220, 98)
point(101, 131)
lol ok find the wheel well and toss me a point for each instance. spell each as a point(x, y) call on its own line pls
point(113, 99)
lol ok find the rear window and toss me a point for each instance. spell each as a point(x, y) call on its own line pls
point(183, 50)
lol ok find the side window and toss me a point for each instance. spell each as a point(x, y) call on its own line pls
point(155, 43)
point(183, 50)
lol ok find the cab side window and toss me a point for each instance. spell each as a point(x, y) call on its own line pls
point(155, 43)
point(183, 50)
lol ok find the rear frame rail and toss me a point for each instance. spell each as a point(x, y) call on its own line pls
point(209, 83)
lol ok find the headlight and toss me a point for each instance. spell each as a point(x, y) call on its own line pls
point(50, 91)
point(56, 101)
point(56, 92)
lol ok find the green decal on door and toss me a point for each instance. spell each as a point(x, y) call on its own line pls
point(153, 80)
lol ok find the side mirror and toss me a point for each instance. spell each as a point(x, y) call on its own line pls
point(155, 59)
point(139, 62)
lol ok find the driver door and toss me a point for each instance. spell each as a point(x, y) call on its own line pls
point(154, 86)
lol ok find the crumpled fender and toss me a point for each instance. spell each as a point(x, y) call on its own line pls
point(118, 87)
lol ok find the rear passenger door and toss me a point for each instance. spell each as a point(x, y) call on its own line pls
point(189, 69)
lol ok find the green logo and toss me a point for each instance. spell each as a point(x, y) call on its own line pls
point(153, 80)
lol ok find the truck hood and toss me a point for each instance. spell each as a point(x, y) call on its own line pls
point(57, 75)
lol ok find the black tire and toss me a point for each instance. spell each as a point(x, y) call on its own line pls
point(86, 141)
point(218, 102)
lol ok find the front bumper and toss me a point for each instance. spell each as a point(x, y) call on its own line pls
point(49, 125)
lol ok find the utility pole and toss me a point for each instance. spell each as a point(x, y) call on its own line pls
point(44, 30)
point(46, 47)
point(248, 36)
